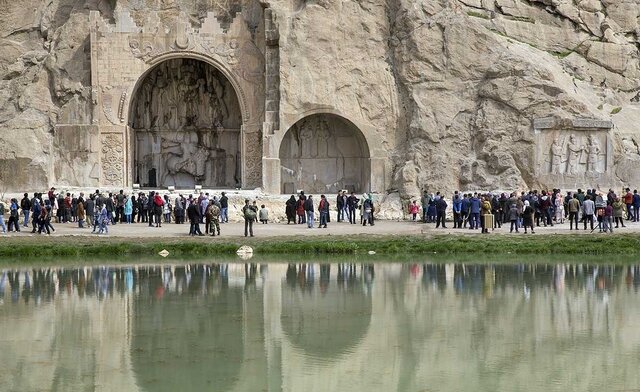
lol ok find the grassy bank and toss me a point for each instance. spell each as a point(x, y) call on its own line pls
point(626, 244)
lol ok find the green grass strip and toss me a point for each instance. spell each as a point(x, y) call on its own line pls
point(491, 244)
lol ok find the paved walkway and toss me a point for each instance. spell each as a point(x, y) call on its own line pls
point(142, 230)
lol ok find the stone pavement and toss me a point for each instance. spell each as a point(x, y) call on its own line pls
point(142, 230)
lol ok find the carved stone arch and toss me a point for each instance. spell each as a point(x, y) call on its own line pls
point(373, 141)
point(220, 66)
point(245, 115)
point(325, 152)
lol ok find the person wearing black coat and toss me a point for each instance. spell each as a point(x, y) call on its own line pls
point(441, 212)
point(290, 210)
point(193, 213)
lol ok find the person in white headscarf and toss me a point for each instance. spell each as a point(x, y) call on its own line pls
point(527, 214)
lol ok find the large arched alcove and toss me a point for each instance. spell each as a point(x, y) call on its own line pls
point(324, 153)
point(186, 127)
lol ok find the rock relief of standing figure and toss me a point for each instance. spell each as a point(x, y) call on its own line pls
point(574, 155)
point(556, 157)
point(323, 137)
point(306, 136)
point(593, 154)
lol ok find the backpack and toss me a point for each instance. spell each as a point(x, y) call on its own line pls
point(249, 213)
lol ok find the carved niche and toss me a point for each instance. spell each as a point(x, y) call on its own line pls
point(572, 152)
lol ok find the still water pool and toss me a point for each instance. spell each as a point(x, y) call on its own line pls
point(320, 327)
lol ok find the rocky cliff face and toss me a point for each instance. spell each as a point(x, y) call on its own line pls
point(476, 73)
point(449, 87)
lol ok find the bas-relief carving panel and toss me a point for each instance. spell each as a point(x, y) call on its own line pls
point(573, 153)
point(322, 153)
point(574, 157)
point(111, 157)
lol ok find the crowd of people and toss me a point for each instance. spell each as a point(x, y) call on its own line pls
point(475, 211)
point(531, 209)
point(99, 210)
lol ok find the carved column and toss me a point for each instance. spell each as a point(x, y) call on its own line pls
point(271, 160)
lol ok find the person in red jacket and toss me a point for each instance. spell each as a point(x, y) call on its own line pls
point(158, 203)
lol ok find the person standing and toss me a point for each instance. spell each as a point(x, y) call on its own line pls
point(413, 210)
point(25, 205)
point(128, 209)
point(474, 218)
point(441, 212)
point(628, 202)
point(224, 208)
point(2, 212)
point(485, 213)
point(513, 218)
point(527, 216)
point(309, 209)
point(457, 211)
point(204, 203)
point(213, 216)
point(352, 204)
point(340, 203)
point(574, 209)
point(618, 212)
point(150, 207)
point(35, 213)
point(109, 205)
point(607, 219)
point(588, 209)
point(249, 214)
point(424, 201)
point(158, 205)
point(104, 219)
point(14, 216)
point(559, 203)
point(300, 210)
point(121, 199)
point(81, 214)
point(179, 210)
point(88, 210)
point(290, 209)
point(323, 210)
point(193, 213)
point(367, 210)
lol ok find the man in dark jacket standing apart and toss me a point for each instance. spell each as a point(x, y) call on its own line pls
point(224, 208)
point(441, 212)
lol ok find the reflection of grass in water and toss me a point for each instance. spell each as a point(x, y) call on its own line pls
point(537, 248)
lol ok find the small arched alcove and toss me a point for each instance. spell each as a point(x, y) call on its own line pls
point(324, 153)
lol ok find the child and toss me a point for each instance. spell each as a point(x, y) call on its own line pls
point(413, 210)
point(264, 215)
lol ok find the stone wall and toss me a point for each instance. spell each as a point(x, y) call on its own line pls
point(445, 92)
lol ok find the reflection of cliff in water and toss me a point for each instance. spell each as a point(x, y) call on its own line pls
point(248, 327)
point(186, 121)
